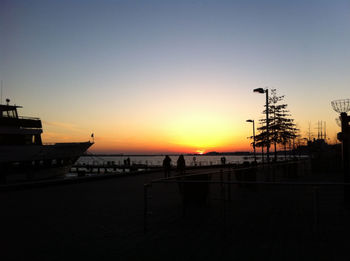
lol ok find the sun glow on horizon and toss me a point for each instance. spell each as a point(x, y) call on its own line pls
point(200, 130)
point(196, 133)
point(200, 152)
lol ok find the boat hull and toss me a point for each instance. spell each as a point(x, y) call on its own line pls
point(23, 163)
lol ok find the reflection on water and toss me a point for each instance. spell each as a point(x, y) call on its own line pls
point(198, 160)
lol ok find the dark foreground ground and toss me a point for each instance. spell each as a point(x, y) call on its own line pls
point(104, 220)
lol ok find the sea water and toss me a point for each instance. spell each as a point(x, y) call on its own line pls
point(157, 160)
point(197, 160)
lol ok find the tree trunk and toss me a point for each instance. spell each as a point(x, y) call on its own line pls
point(285, 151)
point(275, 134)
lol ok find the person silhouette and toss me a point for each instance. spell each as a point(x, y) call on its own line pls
point(194, 161)
point(223, 160)
point(167, 166)
point(181, 165)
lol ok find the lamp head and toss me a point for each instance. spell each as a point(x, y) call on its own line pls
point(249, 120)
point(341, 106)
point(259, 90)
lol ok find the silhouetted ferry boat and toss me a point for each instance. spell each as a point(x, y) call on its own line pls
point(23, 156)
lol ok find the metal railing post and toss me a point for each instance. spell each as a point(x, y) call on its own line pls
point(229, 185)
point(316, 208)
point(146, 207)
point(223, 199)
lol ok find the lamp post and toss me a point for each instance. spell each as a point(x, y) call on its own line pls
point(253, 138)
point(261, 90)
point(343, 107)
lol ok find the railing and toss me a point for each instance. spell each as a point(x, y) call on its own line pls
point(21, 122)
point(28, 118)
point(20, 117)
point(233, 199)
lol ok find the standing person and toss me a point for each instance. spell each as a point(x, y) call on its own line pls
point(181, 165)
point(167, 166)
point(223, 160)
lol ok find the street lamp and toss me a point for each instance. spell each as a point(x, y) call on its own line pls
point(253, 138)
point(261, 90)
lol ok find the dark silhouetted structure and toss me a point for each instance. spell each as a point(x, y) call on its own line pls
point(261, 90)
point(343, 107)
point(24, 156)
point(253, 137)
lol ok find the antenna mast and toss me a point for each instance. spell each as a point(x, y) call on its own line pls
point(1, 93)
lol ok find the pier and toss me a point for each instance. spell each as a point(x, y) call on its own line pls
point(253, 219)
point(113, 168)
point(82, 169)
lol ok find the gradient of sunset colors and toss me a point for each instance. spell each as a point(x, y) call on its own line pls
point(172, 76)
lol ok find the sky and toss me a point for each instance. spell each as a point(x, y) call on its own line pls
point(172, 76)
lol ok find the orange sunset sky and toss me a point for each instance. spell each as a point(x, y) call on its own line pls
point(172, 76)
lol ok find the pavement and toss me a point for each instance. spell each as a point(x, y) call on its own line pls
point(104, 220)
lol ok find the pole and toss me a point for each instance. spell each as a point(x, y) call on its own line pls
point(145, 207)
point(1, 93)
point(267, 127)
point(254, 141)
point(345, 153)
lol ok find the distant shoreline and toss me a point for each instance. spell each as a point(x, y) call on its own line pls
point(241, 153)
point(172, 154)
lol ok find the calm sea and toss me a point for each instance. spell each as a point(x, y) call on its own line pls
point(199, 160)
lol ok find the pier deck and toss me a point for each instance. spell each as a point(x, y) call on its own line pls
point(103, 220)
